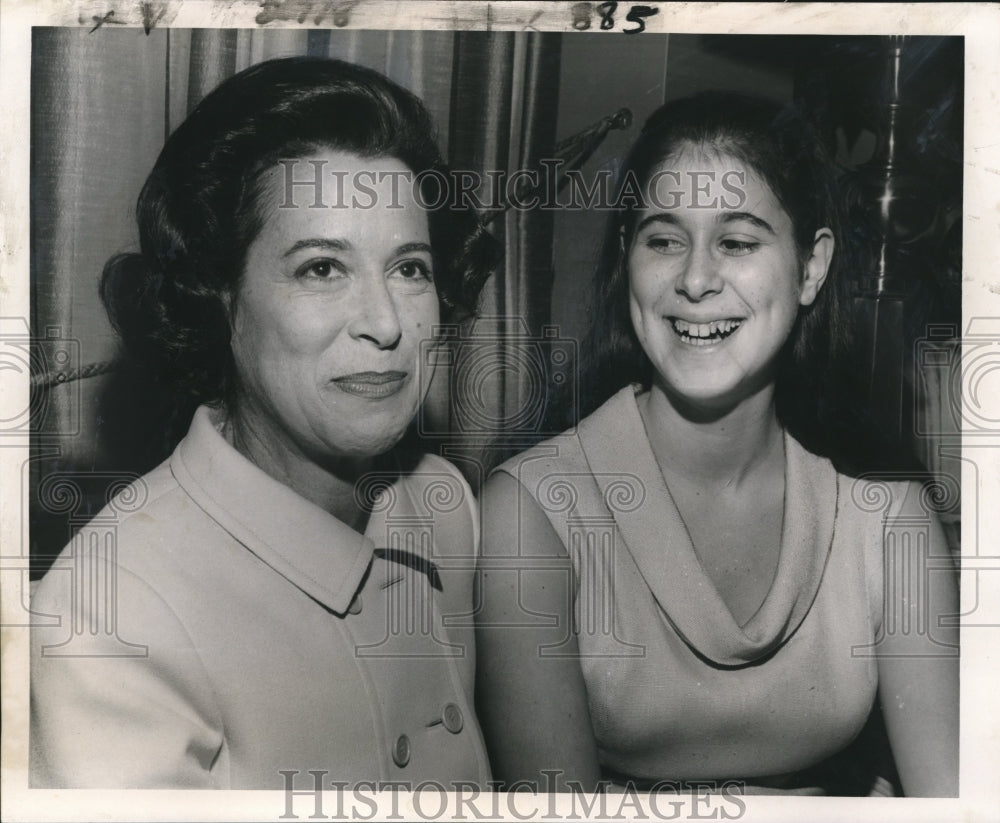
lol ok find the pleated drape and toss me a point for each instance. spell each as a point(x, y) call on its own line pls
point(96, 130)
point(500, 380)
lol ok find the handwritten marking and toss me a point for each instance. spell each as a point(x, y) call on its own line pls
point(530, 24)
point(299, 10)
point(100, 21)
point(152, 13)
point(607, 12)
point(637, 15)
point(582, 13)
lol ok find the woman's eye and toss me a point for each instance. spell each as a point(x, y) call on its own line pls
point(414, 270)
point(738, 247)
point(320, 269)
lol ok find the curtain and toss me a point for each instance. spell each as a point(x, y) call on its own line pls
point(500, 366)
point(103, 103)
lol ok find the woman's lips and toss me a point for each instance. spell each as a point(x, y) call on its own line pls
point(372, 384)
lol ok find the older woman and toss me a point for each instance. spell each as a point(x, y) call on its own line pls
point(691, 594)
point(281, 583)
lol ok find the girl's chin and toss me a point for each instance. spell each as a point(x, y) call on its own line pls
point(706, 398)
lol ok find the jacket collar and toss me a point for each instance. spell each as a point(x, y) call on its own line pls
point(315, 551)
point(658, 541)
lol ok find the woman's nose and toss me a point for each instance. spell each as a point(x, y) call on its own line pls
point(700, 276)
point(376, 318)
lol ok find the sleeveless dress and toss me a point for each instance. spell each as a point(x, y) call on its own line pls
point(677, 690)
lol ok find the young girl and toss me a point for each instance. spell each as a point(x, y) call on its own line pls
point(689, 593)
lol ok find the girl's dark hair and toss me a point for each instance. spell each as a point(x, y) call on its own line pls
point(780, 145)
point(198, 211)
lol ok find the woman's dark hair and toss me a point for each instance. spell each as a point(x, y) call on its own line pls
point(782, 148)
point(198, 211)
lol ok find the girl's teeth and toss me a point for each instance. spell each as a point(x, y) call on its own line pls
point(704, 333)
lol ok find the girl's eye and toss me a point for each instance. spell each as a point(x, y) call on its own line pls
point(664, 245)
point(738, 247)
point(323, 269)
point(414, 270)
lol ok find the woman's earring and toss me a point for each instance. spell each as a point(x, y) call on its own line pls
point(621, 239)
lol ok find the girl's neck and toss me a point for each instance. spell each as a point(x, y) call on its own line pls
point(718, 449)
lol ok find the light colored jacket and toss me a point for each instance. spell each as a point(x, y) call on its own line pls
point(215, 629)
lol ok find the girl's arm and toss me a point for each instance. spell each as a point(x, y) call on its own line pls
point(532, 705)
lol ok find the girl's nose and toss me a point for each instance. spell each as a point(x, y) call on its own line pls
point(700, 277)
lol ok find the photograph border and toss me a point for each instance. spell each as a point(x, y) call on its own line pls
point(978, 24)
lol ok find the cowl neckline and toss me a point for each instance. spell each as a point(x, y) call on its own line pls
point(658, 541)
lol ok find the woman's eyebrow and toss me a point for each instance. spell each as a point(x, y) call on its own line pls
point(329, 244)
point(408, 248)
point(736, 216)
